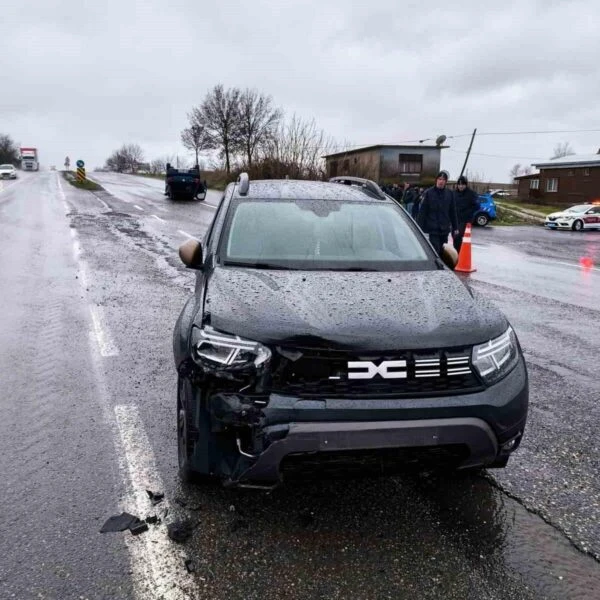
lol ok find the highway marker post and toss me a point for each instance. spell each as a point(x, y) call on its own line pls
point(80, 171)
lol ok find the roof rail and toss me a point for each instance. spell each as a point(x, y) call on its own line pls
point(366, 184)
point(243, 184)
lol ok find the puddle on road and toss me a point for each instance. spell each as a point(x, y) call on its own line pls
point(431, 536)
point(501, 528)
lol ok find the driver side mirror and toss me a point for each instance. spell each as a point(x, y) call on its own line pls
point(190, 254)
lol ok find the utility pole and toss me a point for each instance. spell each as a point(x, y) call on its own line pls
point(468, 152)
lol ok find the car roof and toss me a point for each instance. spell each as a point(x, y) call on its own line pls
point(294, 189)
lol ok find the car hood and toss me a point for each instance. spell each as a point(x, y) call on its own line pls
point(350, 310)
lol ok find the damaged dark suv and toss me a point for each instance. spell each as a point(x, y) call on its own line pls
point(325, 332)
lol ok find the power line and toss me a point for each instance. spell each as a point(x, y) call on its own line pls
point(497, 155)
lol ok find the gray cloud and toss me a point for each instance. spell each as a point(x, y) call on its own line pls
point(81, 78)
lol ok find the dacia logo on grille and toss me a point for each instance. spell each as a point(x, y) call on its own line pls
point(388, 369)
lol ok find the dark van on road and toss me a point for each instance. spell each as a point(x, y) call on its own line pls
point(325, 332)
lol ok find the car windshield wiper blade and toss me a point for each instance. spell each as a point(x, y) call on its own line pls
point(257, 265)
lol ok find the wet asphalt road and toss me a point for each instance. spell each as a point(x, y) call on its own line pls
point(91, 287)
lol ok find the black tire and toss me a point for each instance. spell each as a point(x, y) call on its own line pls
point(578, 225)
point(187, 436)
point(482, 220)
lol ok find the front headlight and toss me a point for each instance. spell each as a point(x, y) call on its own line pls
point(497, 358)
point(224, 351)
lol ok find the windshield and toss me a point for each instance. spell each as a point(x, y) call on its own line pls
point(6, 167)
point(315, 234)
point(578, 209)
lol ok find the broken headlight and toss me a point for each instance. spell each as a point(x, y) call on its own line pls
point(217, 350)
point(495, 359)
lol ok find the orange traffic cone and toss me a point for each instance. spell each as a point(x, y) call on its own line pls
point(464, 256)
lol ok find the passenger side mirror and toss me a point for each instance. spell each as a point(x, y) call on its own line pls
point(190, 254)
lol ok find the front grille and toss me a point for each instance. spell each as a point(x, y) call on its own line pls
point(334, 374)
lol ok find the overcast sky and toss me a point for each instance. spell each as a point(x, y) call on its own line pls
point(80, 78)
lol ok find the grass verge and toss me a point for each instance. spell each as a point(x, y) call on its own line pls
point(505, 217)
point(87, 184)
point(542, 209)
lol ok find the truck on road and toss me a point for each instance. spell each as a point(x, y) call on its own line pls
point(29, 159)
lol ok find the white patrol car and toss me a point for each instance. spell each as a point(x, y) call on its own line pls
point(577, 218)
point(8, 172)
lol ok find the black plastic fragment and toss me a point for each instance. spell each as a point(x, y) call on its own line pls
point(119, 523)
point(152, 519)
point(181, 502)
point(155, 497)
point(180, 531)
point(190, 566)
point(138, 527)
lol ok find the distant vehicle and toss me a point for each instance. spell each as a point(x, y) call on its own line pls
point(8, 172)
point(53, 168)
point(487, 210)
point(577, 218)
point(29, 159)
point(500, 193)
point(184, 183)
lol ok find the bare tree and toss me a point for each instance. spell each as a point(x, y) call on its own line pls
point(297, 149)
point(526, 171)
point(219, 116)
point(562, 149)
point(127, 158)
point(515, 171)
point(134, 155)
point(258, 122)
point(195, 138)
point(9, 153)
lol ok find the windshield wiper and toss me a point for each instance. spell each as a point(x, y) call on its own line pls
point(258, 265)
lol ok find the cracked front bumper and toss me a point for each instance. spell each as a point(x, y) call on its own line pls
point(274, 428)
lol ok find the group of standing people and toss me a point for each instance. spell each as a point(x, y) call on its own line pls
point(440, 210)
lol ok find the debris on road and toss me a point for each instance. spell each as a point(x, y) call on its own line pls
point(181, 502)
point(124, 521)
point(190, 566)
point(138, 527)
point(155, 497)
point(180, 531)
point(152, 520)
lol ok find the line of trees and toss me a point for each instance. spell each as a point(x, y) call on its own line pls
point(245, 131)
point(9, 152)
point(126, 159)
point(249, 132)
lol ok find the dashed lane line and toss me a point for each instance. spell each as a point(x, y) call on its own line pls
point(158, 218)
point(138, 207)
point(101, 333)
point(158, 565)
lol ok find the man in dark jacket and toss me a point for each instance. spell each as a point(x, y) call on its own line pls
point(467, 204)
point(437, 214)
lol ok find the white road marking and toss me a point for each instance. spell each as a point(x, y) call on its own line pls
point(210, 206)
point(480, 247)
point(193, 237)
point(101, 333)
point(158, 218)
point(158, 565)
point(138, 207)
point(580, 267)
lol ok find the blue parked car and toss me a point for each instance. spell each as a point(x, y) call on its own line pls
point(486, 212)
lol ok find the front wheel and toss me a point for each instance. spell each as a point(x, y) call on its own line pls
point(578, 225)
point(188, 436)
point(482, 219)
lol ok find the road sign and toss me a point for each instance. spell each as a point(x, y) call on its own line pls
point(80, 164)
point(80, 174)
point(67, 162)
